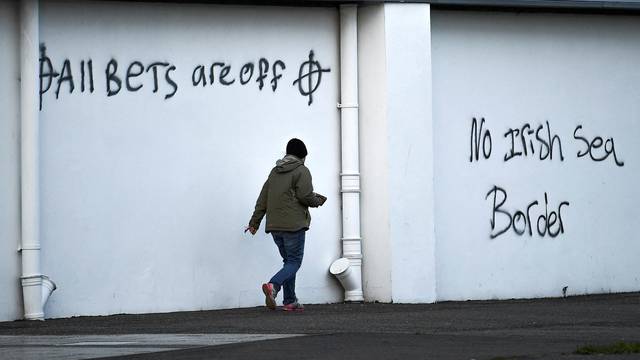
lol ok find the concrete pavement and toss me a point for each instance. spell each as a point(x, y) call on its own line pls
point(75, 347)
point(512, 329)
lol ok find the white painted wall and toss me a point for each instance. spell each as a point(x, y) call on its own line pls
point(144, 199)
point(374, 154)
point(514, 69)
point(396, 148)
point(411, 203)
point(10, 296)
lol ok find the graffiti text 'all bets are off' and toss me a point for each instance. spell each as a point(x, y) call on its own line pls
point(158, 77)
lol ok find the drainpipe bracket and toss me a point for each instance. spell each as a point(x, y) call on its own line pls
point(350, 183)
point(31, 280)
point(347, 106)
point(350, 191)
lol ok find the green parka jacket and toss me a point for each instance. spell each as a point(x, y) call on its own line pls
point(286, 197)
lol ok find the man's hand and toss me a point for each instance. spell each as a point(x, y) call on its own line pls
point(251, 229)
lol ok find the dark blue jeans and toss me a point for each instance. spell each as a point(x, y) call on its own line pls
point(291, 247)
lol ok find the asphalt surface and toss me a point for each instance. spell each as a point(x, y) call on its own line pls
point(512, 329)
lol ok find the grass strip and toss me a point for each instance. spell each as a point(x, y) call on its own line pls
point(617, 348)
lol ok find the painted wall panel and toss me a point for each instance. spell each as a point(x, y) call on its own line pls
point(566, 87)
point(10, 296)
point(396, 153)
point(374, 154)
point(411, 204)
point(146, 190)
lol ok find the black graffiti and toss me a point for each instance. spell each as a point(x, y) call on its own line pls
point(48, 75)
point(479, 140)
point(595, 144)
point(135, 70)
point(170, 81)
point(133, 73)
point(154, 70)
point(221, 72)
point(276, 75)
point(110, 71)
point(313, 75)
point(521, 222)
point(82, 75)
point(263, 67)
point(65, 75)
point(131, 76)
point(198, 76)
point(224, 71)
point(264, 70)
point(247, 69)
point(522, 142)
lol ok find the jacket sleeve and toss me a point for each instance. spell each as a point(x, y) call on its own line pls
point(304, 189)
point(261, 207)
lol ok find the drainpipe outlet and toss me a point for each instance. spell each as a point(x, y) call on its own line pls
point(36, 290)
point(48, 286)
point(348, 278)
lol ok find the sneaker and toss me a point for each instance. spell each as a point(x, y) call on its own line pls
point(294, 306)
point(269, 295)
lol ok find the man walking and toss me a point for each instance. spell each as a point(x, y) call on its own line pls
point(285, 198)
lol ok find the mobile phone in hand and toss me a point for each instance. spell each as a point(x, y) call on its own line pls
point(322, 198)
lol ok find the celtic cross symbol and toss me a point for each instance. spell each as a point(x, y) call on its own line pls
point(313, 76)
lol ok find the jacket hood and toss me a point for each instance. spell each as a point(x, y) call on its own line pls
point(288, 163)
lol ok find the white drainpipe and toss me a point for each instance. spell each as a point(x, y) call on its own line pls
point(350, 175)
point(36, 287)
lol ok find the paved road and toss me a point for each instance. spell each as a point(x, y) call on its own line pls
point(515, 329)
point(76, 347)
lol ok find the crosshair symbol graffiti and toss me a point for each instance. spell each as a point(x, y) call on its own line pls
point(313, 76)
